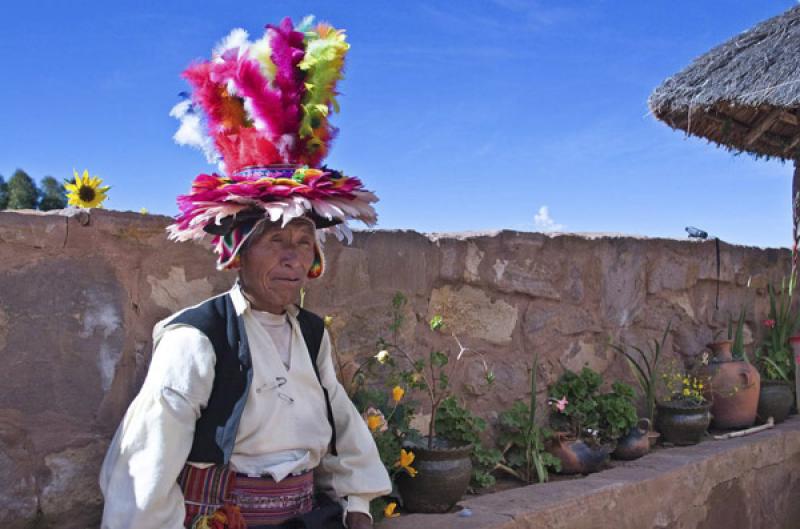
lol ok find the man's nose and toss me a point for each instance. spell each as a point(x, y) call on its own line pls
point(289, 254)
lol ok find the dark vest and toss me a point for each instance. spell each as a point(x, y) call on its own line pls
point(215, 430)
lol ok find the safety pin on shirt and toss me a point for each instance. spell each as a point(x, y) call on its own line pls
point(279, 381)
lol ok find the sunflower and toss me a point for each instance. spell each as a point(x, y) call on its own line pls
point(86, 191)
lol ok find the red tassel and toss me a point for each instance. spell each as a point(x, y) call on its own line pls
point(234, 516)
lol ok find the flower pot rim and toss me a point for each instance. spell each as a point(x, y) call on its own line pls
point(680, 405)
point(456, 451)
point(566, 437)
point(723, 360)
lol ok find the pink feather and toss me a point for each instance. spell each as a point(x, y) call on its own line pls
point(252, 85)
point(206, 93)
point(287, 52)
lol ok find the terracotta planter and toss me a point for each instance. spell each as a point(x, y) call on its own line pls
point(681, 423)
point(774, 400)
point(732, 389)
point(635, 444)
point(443, 475)
point(578, 457)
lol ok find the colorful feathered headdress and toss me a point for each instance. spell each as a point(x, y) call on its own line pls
point(260, 110)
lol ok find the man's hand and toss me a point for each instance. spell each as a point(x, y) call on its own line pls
point(358, 520)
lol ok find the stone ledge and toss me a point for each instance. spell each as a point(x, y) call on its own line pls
point(746, 483)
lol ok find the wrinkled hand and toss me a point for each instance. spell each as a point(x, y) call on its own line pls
point(358, 520)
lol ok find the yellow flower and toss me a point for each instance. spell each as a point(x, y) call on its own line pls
point(86, 191)
point(686, 392)
point(388, 512)
point(374, 422)
point(397, 393)
point(143, 211)
point(406, 458)
point(382, 356)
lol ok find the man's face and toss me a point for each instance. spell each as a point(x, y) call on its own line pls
point(275, 265)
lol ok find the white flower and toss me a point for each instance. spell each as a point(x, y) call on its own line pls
point(382, 356)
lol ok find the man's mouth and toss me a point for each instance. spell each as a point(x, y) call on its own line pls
point(287, 279)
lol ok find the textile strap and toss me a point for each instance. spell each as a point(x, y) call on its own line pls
point(312, 327)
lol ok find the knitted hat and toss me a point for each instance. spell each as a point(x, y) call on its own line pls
point(260, 110)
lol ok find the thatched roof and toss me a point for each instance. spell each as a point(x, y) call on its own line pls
point(743, 94)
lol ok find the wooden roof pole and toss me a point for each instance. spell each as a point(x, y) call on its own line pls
point(763, 126)
point(795, 211)
point(792, 278)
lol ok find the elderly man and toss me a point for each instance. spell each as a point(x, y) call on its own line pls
point(240, 422)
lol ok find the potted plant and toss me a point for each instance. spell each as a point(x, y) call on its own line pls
point(774, 359)
point(523, 441)
point(387, 413)
point(443, 468)
point(683, 416)
point(733, 382)
point(587, 422)
point(644, 365)
point(456, 424)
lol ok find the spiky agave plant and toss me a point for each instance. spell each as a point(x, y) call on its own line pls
point(643, 366)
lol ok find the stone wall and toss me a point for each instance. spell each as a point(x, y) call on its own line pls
point(79, 296)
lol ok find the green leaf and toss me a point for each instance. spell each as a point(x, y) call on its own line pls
point(439, 359)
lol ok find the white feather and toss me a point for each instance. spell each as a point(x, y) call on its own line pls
point(284, 144)
point(237, 38)
point(258, 123)
point(191, 133)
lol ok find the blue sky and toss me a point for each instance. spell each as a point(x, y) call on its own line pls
point(467, 118)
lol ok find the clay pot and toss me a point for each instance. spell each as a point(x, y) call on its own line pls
point(774, 400)
point(682, 423)
point(578, 457)
point(443, 475)
point(635, 444)
point(653, 437)
point(732, 389)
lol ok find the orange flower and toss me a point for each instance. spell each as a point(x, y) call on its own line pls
point(404, 463)
point(388, 512)
point(397, 393)
point(373, 422)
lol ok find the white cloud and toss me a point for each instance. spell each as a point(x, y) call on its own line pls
point(544, 222)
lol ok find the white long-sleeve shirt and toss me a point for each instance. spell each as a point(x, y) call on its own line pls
point(283, 429)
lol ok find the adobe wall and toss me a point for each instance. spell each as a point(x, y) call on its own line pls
point(79, 296)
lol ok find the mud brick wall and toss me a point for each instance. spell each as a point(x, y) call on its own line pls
point(79, 295)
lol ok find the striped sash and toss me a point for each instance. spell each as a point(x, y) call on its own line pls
point(260, 501)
